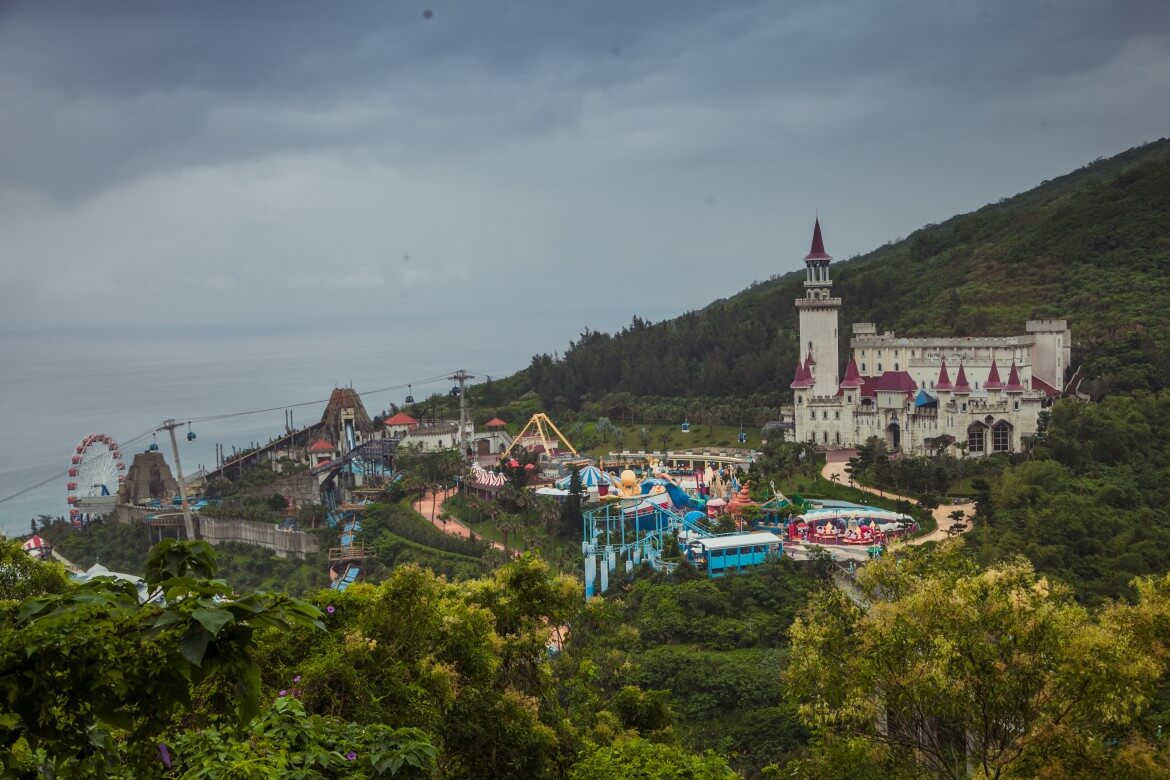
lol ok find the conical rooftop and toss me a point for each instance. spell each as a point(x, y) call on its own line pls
point(802, 380)
point(852, 376)
point(944, 379)
point(1013, 383)
point(961, 386)
point(817, 251)
point(993, 381)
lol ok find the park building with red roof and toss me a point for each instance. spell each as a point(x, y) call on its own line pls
point(918, 393)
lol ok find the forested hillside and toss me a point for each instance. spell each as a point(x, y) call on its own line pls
point(1092, 246)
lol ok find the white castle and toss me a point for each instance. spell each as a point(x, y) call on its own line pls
point(901, 389)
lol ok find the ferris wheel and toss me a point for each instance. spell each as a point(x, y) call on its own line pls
point(95, 472)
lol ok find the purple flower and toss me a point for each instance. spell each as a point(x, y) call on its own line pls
point(164, 754)
point(297, 678)
point(351, 756)
point(284, 693)
point(329, 609)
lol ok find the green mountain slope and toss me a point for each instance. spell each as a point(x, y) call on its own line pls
point(1092, 246)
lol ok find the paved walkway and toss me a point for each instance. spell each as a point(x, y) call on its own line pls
point(430, 506)
point(835, 465)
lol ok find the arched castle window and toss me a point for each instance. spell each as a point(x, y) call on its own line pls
point(1001, 437)
point(826, 438)
point(837, 436)
point(1016, 405)
point(879, 368)
point(976, 437)
point(863, 368)
point(896, 366)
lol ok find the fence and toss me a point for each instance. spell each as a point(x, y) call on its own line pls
point(283, 543)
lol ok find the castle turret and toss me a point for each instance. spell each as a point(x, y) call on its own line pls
point(818, 318)
point(961, 386)
point(943, 385)
point(1013, 383)
point(993, 383)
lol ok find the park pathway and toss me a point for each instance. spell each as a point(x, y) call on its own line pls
point(835, 466)
point(430, 506)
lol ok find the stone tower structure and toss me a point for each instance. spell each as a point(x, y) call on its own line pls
point(818, 320)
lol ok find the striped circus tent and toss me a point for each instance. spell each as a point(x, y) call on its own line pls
point(487, 478)
point(591, 477)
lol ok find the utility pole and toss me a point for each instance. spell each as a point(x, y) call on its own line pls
point(461, 377)
point(169, 426)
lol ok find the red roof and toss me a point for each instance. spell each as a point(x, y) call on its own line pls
point(888, 382)
point(1013, 383)
point(802, 380)
point(993, 382)
point(817, 251)
point(809, 361)
point(961, 386)
point(1047, 389)
point(402, 418)
point(852, 376)
point(496, 422)
point(321, 446)
point(944, 379)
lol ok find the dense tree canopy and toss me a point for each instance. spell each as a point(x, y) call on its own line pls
point(952, 669)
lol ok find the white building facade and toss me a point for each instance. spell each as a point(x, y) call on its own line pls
point(922, 395)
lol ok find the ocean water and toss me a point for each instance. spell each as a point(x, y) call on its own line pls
point(57, 386)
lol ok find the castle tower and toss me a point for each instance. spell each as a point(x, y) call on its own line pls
point(818, 318)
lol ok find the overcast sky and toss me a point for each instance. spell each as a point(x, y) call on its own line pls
point(236, 161)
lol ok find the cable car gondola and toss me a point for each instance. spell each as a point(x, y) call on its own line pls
point(455, 391)
point(685, 427)
point(190, 433)
point(409, 394)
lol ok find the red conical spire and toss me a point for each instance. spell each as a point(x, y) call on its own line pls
point(1013, 383)
point(993, 382)
point(961, 386)
point(817, 251)
point(802, 380)
point(852, 376)
point(809, 361)
point(944, 379)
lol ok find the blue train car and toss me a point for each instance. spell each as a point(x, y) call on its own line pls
point(718, 555)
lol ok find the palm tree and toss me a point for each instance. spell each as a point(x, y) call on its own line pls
point(549, 514)
point(644, 437)
point(619, 438)
point(508, 525)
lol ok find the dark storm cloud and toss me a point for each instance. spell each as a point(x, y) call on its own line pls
point(97, 92)
point(265, 152)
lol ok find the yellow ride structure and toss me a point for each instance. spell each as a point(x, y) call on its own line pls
point(538, 426)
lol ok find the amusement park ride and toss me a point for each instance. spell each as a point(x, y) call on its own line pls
point(538, 428)
point(95, 472)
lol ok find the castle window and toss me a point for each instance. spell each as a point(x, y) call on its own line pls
point(799, 399)
point(976, 437)
point(1016, 405)
point(849, 400)
point(826, 438)
point(836, 415)
point(810, 346)
point(825, 415)
point(1001, 437)
point(896, 367)
point(863, 368)
point(964, 406)
point(837, 436)
point(812, 415)
point(879, 368)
